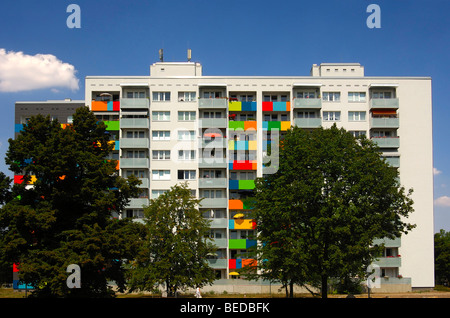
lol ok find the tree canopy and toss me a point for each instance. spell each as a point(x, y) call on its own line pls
point(65, 216)
point(330, 197)
point(175, 249)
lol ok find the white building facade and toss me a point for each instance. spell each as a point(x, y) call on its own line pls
point(177, 125)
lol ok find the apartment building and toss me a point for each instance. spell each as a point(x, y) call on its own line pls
point(178, 125)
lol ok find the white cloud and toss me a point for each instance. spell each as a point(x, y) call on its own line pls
point(22, 72)
point(442, 201)
point(436, 171)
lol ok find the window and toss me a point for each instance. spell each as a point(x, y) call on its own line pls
point(161, 96)
point(212, 173)
point(307, 114)
point(212, 94)
point(186, 96)
point(136, 214)
point(135, 134)
point(137, 173)
point(135, 154)
point(135, 94)
point(186, 116)
point(383, 133)
point(331, 116)
point(161, 154)
point(160, 116)
point(306, 94)
point(356, 116)
point(186, 135)
point(186, 174)
point(212, 115)
point(186, 154)
point(157, 193)
point(357, 133)
point(211, 194)
point(161, 174)
point(160, 135)
point(331, 96)
point(381, 95)
point(356, 97)
point(70, 119)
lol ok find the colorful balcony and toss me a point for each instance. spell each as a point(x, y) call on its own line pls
point(276, 106)
point(241, 244)
point(105, 106)
point(240, 263)
point(242, 224)
point(18, 179)
point(307, 103)
point(235, 106)
point(112, 125)
point(242, 145)
point(242, 125)
point(238, 205)
point(276, 125)
point(243, 165)
point(241, 184)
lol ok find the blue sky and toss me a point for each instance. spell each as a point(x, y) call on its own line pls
point(233, 37)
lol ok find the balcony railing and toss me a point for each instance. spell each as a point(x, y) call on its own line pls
point(141, 103)
point(134, 163)
point(308, 122)
point(218, 263)
point(387, 142)
point(213, 122)
point(384, 103)
point(137, 203)
point(212, 103)
point(214, 203)
point(134, 123)
point(134, 143)
point(307, 103)
point(212, 182)
point(381, 122)
point(393, 161)
point(388, 261)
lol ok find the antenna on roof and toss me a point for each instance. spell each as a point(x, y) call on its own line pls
point(189, 55)
point(161, 55)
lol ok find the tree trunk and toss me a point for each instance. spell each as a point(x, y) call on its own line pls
point(291, 285)
point(324, 286)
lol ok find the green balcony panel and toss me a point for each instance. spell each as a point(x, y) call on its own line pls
point(112, 125)
point(246, 184)
point(236, 125)
point(237, 244)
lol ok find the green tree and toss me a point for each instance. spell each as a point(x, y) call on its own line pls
point(442, 257)
point(319, 213)
point(65, 217)
point(175, 249)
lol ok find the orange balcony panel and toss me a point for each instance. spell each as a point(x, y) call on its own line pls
point(288, 106)
point(248, 263)
point(99, 106)
point(235, 205)
point(250, 125)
